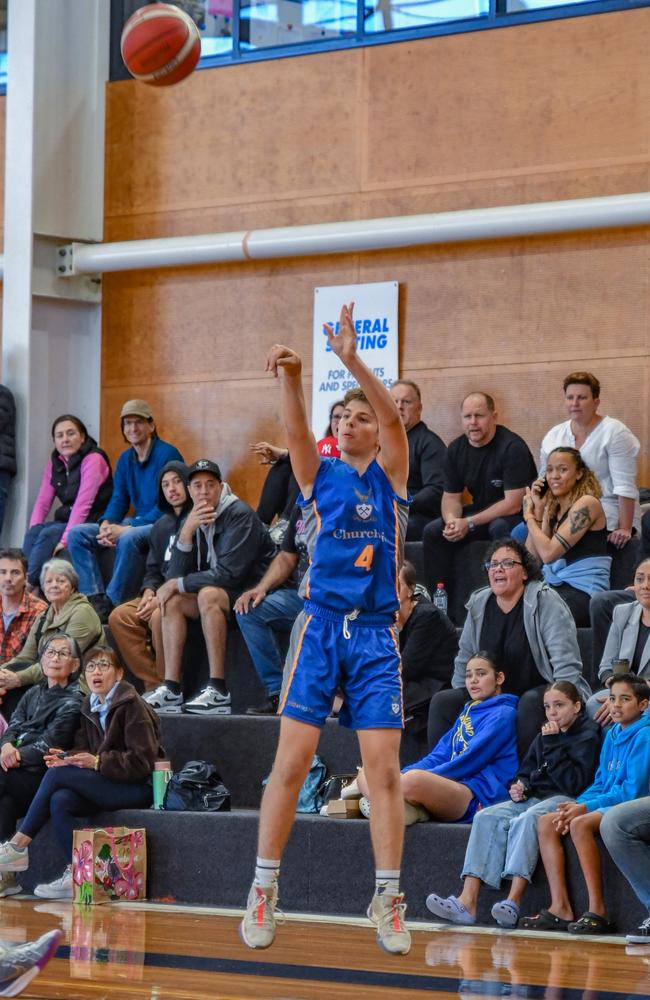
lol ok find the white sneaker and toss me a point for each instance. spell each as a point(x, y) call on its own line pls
point(21, 963)
point(13, 860)
point(8, 884)
point(59, 888)
point(209, 702)
point(387, 913)
point(415, 814)
point(257, 929)
point(164, 701)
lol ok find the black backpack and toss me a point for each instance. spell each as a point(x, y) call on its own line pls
point(197, 787)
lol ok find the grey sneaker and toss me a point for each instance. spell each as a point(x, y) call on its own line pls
point(641, 935)
point(8, 884)
point(13, 860)
point(209, 702)
point(257, 929)
point(19, 965)
point(164, 701)
point(387, 913)
point(59, 888)
point(415, 814)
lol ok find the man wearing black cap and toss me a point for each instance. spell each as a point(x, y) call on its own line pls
point(221, 549)
point(135, 484)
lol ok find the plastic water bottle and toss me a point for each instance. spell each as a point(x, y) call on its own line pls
point(440, 598)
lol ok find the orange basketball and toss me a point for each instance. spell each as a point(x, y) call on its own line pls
point(160, 44)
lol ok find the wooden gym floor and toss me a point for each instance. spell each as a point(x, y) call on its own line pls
point(157, 951)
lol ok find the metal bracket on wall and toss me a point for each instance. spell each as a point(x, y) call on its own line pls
point(77, 287)
point(65, 261)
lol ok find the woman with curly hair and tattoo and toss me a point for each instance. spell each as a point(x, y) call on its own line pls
point(567, 530)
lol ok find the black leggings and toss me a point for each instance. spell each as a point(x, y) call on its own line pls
point(18, 786)
point(446, 705)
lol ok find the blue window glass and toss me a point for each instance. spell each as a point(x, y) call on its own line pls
point(292, 22)
point(394, 15)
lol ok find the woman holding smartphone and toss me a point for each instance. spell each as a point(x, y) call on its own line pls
point(113, 755)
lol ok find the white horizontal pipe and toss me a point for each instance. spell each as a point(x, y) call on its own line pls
point(367, 234)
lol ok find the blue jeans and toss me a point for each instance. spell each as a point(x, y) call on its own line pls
point(130, 556)
point(625, 829)
point(39, 543)
point(66, 793)
point(276, 613)
point(503, 840)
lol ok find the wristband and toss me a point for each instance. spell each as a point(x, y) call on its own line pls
point(97, 762)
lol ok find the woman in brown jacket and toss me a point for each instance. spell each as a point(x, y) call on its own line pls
point(109, 767)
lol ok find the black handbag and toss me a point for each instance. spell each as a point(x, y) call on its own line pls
point(197, 787)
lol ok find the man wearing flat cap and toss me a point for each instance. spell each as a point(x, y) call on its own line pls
point(135, 485)
point(221, 550)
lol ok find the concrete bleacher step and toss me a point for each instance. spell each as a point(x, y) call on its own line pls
point(208, 858)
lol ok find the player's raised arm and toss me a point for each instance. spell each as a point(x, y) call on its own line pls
point(303, 452)
point(394, 455)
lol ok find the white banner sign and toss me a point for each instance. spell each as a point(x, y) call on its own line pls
point(375, 319)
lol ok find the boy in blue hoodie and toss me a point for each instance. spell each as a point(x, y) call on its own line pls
point(623, 774)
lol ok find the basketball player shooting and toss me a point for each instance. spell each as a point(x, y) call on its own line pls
point(355, 512)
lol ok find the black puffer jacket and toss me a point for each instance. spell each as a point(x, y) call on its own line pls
point(44, 717)
point(7, 431)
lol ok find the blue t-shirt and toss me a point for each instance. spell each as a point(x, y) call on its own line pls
point(356, 526)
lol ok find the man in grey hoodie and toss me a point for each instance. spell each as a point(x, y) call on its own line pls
point(221, 550)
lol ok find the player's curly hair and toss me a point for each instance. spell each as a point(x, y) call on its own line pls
point(587, 485)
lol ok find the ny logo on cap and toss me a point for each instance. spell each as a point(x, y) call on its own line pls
point(202, 463)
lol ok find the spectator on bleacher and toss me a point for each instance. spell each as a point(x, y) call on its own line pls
point(135, 625)
point(113, 754)
point(427, 453)
point(625, 830)
point(494, 465)
point(608, 448)
point(560, 763)
point(18, 608)
point(135, 485)
point(68, 611)
point(623, 774)
point(428, 645)
point(627, 649)
point(280, 489)
point(328, 446)
point(271, 607)
point(531, 631)
point(221, 550)
point(78, 475)
point(567, 530)
point(473, 763)
point(7, 446)
point(48, 716)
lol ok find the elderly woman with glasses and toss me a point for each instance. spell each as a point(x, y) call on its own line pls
point(109, 767)
point(526, 625)
point(47, 716)
point(68, 611)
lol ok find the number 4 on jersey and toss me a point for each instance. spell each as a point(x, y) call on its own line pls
point(365, 557)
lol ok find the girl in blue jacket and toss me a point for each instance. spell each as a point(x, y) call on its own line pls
point(473, 763)
point(623, 774)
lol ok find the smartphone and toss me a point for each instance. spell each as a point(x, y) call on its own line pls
point(64, 754)
point(543, 488)
point(620, 667)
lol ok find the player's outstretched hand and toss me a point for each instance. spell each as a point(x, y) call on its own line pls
point(281, 357)
point(343, 343)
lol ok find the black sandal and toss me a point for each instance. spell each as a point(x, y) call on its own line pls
point(591, 923)
point(544, 921)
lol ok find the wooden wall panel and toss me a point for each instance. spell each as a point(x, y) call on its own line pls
point(533, 113)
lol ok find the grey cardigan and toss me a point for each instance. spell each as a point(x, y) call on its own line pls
point(550, 630)
point(621, 641)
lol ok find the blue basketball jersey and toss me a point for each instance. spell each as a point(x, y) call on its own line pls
point(358, 524)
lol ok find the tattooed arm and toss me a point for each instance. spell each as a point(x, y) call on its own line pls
point(585, 515)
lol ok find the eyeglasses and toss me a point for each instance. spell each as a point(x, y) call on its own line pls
point(504, 563)
point(102, 665)
point(57, 654)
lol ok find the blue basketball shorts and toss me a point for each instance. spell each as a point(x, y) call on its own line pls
point(362, 660)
